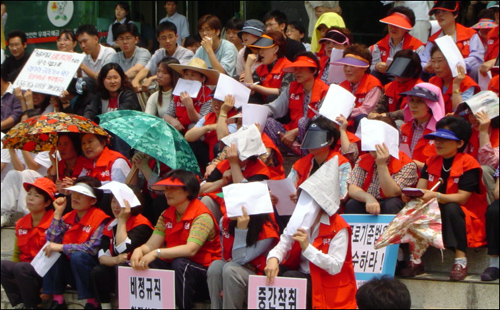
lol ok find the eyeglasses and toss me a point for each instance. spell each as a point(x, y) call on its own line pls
point(271, 24)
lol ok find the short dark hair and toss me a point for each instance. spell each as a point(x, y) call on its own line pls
point(298, 25)
point(326, 124)
point(405, 11)
point(92, 182)
point(192, 185)
point(75, 139)
point(386, 119)
point(459, 126)
point(234, 23)
point(211, 20)
point(88, 29)
point(101, 90)
point(166, 26)
point(18, 34)
point(383, 293)
point(124, 28)
point(313, 57)
point(69, 33)
point(361, 51)
point(415, 60)
point(434, 49)
point(279, 16)
point(192, 40)
point(125, 6)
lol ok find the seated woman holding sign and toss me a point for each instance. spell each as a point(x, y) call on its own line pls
point(185, 239)
point(461, 194)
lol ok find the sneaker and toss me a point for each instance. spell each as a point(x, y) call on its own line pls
point(458, 273)
point(490, 274)
point(6, 220)
point(412, 270)
point(56, 305)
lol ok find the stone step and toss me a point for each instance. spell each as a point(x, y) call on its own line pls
point(477, 260)
point(8, 238)
point(435, 291)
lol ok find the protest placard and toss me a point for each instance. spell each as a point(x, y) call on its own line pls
point(229, 86)
point(146, 289)
point(283, 293)
point(48, 72)
point(189, 86)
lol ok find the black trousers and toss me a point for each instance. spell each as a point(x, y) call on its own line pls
point(492, 228)
point(387, 206)
point(104, 279)
point(284, 272)
point(454, 229)
point(21, 283)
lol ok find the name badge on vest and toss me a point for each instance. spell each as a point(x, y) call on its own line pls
point(187, 225)
point(466, 43)
point(405, 139)
point(384, 53)
point(490, 42)
point(276, 76)
point(294, 97)
point(22, 232)
point(86, 228)
point(431, 178)
point(456, 180)
point(226, 234)
point(431, 142)
point(391, 101)
point(169, 225)
point(106, 173)
point(327, 240)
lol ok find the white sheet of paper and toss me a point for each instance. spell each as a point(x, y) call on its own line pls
point(337, 101)
point(453, 55)
point(375, 132)
point(389, 61)
point(229, 86)
point(254, 196)
point(336, 74)
point(122, 192)
point(248, 140)
point(304, 214)
point(484, 81)
point(484, 101)
point(283, 189)
point(42, 263)
point(255, 114)
point(192, 87)
point(434, 27)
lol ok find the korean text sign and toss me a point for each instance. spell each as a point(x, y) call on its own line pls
point(146, 289)
point(48, 72)
point(284, 293)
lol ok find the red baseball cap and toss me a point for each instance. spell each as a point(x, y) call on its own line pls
point(399, 20)
point(300, 62)
point(160, 186)
point(45, 185)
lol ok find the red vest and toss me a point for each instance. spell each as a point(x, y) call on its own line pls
point(101, 169)
point(463, 35)
point(473, 145)
point(333, 291)
point(367, 83)
point(475, 208)
point(253, 167)
point(82, 231)
point(322, 65)
point(177, 233)
point(493, 86)
point(272, 79)
point(393, 92)
point(211, 137)
point(467, 83)
point(30, 240)
point(277, 173)
point(81, 162)
point(181, 111)
point(424, 148)
point(367, 163)
point(296, 101)
point(304, 165)
point(132, 222)
point(267, 231)
point(409, 42)
point(492, 43)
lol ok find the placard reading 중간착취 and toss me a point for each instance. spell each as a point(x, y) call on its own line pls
point(48, 72)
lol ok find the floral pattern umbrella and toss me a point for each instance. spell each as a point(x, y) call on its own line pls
point(418, 224)
point(39, 133)
point(153, 136)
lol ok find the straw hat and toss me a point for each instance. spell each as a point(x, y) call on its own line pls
point(198, 65)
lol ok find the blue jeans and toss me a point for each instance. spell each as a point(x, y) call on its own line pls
point(74, 271)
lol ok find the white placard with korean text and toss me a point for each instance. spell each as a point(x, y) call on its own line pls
point(283, 293)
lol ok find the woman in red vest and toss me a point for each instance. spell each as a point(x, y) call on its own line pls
point(400, 21)
point(77, 236)
point(461, 195)
point(185, 111)
point(336, 38)
point(19, 279)
point(467, 40)
point(294, 107)
point(491, 43)
point(246, 240)
point(271, 51)
point(455, 90)
point(185, 239)
point(365, 87)
point(129, 230)
point(425, 108)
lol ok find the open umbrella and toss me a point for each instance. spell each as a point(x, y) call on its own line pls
point(153, 136)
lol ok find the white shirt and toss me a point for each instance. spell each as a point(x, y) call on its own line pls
point(105, 55)
point(119, 171)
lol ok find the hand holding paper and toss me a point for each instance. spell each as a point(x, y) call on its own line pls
point(338, 101)
point(229, 86)
point(254, 196)
point(373, 132)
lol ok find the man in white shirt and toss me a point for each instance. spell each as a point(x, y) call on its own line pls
point(97, 55)
point(179, 20)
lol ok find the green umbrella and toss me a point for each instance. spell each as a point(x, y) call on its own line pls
point(153, 136)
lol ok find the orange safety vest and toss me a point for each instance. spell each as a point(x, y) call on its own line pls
point(277, 173)
point(181, 111)
point(82, 231)
point(463, 35)
point(393, 92)
point(409, 42)
point(304, 165)
point(81, 162)
point(322, 65)
point(493, 86)
point(211, 137)
point(492, 44)
point(132, 222)
point(475, 208)
point(267, 231)
point(296, 101)
point(367, 163)
point(30, 240)
point(272, 79)
point(473, 145)
point(367, 83)
point(177, 233)
point(467, 83)
point(424, 148)
point(101, 169)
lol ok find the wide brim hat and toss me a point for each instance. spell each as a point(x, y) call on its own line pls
point(421, 92)
point(252, 26)
point(162, 185)
point(399, 20)
point(450, 6)
point(352, 60)
point(300, 62)
point(485, 23)
point(82, 188)
point(442, 133)
point(316, 138)
point(264, 42)
point(198, 65)
point(43, 184)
